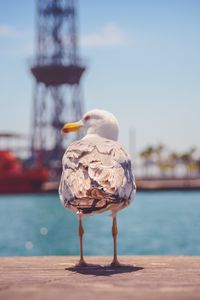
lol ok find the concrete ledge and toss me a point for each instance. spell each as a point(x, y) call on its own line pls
point(144, 277)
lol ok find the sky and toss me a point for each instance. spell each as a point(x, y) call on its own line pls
point(143, 65)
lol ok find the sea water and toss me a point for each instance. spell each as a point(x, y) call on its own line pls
point(156, 223)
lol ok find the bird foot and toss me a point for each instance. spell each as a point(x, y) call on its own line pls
point(116, 264)
point(81, 263)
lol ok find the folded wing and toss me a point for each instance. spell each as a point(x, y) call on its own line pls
point(96, 175)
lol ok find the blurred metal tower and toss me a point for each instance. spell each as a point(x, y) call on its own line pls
point(58, 71)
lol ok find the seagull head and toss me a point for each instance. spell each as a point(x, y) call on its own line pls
point(96, 122)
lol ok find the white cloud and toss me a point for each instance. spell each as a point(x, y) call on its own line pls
point(7, 31)
point(110, 35)
point(22, 41)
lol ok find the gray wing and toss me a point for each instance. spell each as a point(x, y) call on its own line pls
point(96, 175)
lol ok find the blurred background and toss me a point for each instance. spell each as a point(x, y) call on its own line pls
point(138, 59)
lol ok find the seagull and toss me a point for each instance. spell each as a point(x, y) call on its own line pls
point(97, 173)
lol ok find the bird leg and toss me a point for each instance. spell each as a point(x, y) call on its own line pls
point(80, 233)
point(115, 262)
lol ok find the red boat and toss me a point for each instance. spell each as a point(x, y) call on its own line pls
point(15, 179)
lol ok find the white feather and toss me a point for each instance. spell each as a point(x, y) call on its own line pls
point(97, 173)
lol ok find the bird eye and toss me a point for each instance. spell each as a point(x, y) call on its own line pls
point(87, 118)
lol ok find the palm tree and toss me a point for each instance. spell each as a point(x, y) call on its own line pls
point(198, 166)
point(146, 156)
point(189, 161)
point(173, 159)
point(159, 160)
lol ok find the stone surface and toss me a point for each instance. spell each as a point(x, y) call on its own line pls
point(54, 277)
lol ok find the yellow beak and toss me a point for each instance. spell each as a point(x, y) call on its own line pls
point(71, 127)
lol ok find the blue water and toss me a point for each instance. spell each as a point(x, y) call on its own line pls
point(160, 223)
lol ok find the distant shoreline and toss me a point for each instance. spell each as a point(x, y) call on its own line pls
point(143, 185)
point(147, 184)
point(163, 184)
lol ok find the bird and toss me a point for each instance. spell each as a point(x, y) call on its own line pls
point(97, 173)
